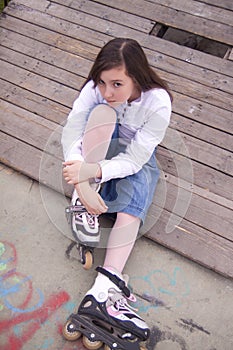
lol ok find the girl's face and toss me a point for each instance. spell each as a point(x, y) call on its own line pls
point(116, 87)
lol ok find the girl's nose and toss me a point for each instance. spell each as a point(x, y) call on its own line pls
point(108, 92)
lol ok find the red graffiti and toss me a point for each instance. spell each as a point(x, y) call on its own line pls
point(30, 320)
point(37, 318)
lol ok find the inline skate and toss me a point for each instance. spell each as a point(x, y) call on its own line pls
point(85, 229)
point(105, 317)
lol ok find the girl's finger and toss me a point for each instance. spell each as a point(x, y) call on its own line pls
point(68, 162)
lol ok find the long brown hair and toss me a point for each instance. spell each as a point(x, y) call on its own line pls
point(127, 52)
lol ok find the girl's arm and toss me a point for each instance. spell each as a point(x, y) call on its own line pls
point(76, 171)
point(76, 122)
point(91, 199)
point(141, 147)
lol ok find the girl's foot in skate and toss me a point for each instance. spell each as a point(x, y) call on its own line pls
point(85, 227)
point(107, 302)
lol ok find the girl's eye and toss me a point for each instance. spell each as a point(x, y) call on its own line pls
point(116, 84)
point(101, 82)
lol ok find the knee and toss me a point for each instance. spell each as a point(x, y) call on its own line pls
point(103, 114)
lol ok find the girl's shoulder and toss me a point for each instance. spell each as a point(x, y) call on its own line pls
point(90, 92)
point(157, 94)
point(88, 87)
point(156, 98)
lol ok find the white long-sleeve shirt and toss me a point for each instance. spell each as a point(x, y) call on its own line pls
point(142, 125)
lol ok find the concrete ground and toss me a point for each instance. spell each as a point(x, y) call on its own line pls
point(186, 306)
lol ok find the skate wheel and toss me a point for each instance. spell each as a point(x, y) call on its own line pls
point(92, 345)
point(70, 334)
point(88, 260)
point(106, 347)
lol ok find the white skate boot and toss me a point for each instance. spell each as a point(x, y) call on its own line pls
point(105, 316)
point(85, 229)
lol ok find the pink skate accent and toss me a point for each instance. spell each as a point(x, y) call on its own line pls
point(132, 298)
point(116, 313)
point(112, 313)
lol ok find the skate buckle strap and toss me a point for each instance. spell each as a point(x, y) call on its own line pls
point(75, 208)
point(115, 279)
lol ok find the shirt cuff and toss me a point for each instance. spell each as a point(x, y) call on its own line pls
point(110, 170)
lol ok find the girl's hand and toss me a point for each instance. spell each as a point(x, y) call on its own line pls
point(91, 199)
point(76, 171)
point(71, 171)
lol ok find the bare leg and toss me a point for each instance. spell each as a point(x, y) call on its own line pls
point(96, 140)
point(98, 132)
point(99, 129)
point(121, 241)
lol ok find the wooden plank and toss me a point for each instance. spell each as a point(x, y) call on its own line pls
point(203, 112)
point(169, 64)
point(193, 109)
point(190, 127)
point(199, 9)
point(32, 162)
point(195, 243)
point(195, 173)
point(57, 10)
point(32, 129)
point(74, 63)
point(160, 46)
point(176, 19)
point(198, 91)
point(189, 146)
point(226, 4)
point(33, 102)
point(41, 68)
point(231, 55)
point(50, 37)
point(75, 30)
point(195, 209)
point(215, 97)
point(206, 77)
point(68, 61)
point(108, 13)
point(200, 191)
point(202, 132)
point(37, 84)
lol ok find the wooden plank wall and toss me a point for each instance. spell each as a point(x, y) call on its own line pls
point(47, 49)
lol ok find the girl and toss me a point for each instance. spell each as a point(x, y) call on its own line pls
point(110, 139)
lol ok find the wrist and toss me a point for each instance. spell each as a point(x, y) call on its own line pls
point(94, 170)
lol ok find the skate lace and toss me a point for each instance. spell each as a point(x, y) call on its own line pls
point(91, 219)
point(119, 301)
point(79, 210)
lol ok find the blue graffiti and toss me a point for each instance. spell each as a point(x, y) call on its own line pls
point(13, 285)
point(7, 289)
point(159, 285)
